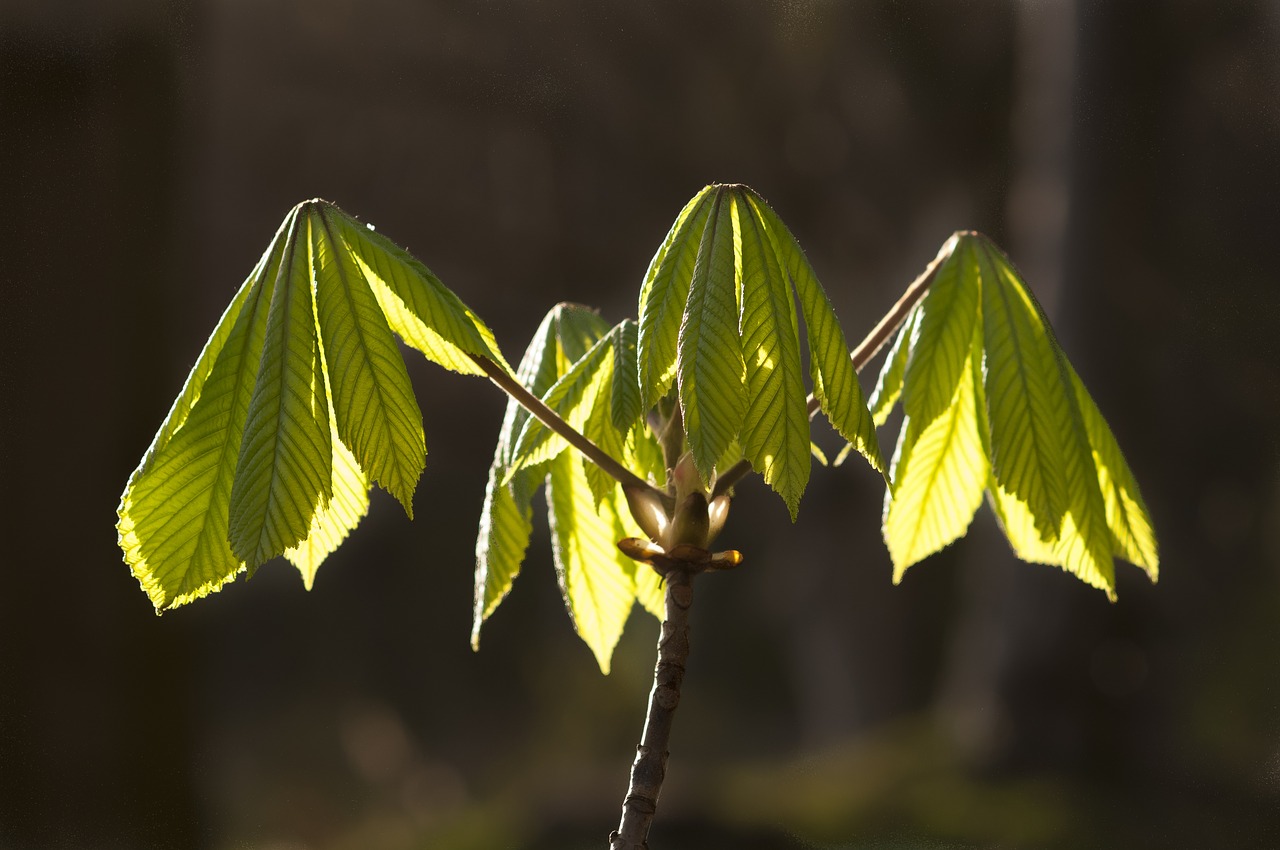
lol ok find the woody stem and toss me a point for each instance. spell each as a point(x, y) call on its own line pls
point(650, 766)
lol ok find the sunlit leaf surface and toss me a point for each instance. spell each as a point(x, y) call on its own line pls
point(992, 404)
point(572, 363)
point(297, 402)
point(718, 314)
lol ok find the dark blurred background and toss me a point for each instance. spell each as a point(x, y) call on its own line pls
point(1127, 155)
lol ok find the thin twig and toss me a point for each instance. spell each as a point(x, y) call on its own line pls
point(861, 355)
point(555, 422)
point(650, 766)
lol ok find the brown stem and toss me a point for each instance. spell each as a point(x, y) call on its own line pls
point(866, 349)
point(553, 420)
point(650, 766)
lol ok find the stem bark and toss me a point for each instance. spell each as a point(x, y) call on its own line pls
point(650, 766)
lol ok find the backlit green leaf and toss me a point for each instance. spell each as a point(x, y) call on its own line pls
point(1132, 535)
point(775, 430)
point(939, 472)
point(571, 364)
point(598, 582)
point(334, 521)
point(663, 295)
point(418, 307)
point(710, 368)
point(284, 470)
point(889, 385)
point(173, 515)
point(1019, 423)
point(506, 518)
point(574, 394)
point(297, 400)
point(627, 405)
point(835, 383)
point(377, 415)
point(1025, 404)
point(943, 338)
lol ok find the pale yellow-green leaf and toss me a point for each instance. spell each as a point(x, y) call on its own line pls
point(376, 413)
point(1068, 552)
point(889, 385)
point(939, 472)
point(426, 314)
point(173, 513)
point(942, 336)
point(1133, 536)
point(573, 396)
point(597, 581)
point(775, 430)
point(334, 521)
point(565, 333)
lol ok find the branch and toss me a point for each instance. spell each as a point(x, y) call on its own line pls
point(861, 355)
point(555, 422)
point(650, 766)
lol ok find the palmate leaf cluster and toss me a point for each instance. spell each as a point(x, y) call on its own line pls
point(718, 320)
point(992, 405)
point(300, 402)
point(718, 335)
point(585, 370)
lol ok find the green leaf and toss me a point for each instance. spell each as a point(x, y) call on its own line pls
point(939, 472)
point(376, 412)
point(889, 385)
point(571, 364)
point(942, 338)
point(835, 383)
point(298, 398)
point(1133, 537)
point(598, 582)
point(626, 403)
point(775, 429)
point(663, 295)
point(573, 396)
point(1019, 423)
point(1025, 405)
point(710, 367)
point(284, 469)
point(599, 429)
point(506, 518)
point(173, 515)
point(334, 521)
point(418, 307)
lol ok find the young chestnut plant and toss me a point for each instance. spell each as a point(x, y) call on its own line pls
point(300, 402)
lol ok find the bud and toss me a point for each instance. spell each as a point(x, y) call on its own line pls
point(647, 509)
point(690, 525)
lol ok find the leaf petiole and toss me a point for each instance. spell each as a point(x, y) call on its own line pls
point(553, 420)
